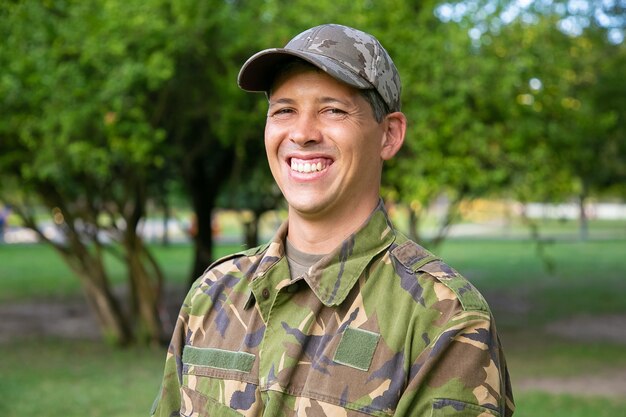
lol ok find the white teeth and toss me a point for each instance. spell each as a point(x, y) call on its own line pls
point(307, 167)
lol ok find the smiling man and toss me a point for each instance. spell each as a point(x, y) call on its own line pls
point(340, 314)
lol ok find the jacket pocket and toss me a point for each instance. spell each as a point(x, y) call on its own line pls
point(218, 382)
point(443, 407)
point(197, 405)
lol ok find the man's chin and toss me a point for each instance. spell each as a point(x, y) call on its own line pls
point(308, 209)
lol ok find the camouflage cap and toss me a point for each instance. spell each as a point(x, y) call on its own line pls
point(348, 55)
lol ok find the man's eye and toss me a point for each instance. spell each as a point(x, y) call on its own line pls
point(335, 111)
point(282, 112)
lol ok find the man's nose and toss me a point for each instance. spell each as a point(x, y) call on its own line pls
point(305, 130)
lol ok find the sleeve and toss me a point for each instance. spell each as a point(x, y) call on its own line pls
point(462, 373)
point(167, 402)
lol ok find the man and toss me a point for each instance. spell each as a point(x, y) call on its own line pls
point(340, 314)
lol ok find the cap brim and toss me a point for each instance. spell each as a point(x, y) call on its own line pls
point(259, 71)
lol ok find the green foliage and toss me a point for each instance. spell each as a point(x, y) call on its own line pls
point(562, 113)
point(72, 92)
point(522, 111)
point(111, 80)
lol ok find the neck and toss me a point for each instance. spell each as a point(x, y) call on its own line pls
point(323, 233)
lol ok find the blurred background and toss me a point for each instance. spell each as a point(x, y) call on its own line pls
point(129, 160)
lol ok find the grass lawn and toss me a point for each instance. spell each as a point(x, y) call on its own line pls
point(55, 378)
point(585, 277)
point(83, 378)
point(539, 404)
point(31, 271)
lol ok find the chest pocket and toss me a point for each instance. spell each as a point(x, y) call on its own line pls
point(217, 383)
point(195, 404)
point(453, 408)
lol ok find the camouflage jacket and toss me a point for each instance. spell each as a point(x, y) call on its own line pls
point(380, 327)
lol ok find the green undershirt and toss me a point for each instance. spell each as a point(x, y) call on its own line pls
point(299, 262)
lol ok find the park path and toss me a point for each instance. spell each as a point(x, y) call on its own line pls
point(604, 384)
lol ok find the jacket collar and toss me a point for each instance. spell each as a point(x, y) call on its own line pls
point(332, 278)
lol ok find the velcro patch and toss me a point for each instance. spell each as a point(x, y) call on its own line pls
point(218, 358)
point(412, 255)
point(468, 295)
point(356, 348)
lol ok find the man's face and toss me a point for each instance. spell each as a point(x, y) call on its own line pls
point(323, 146)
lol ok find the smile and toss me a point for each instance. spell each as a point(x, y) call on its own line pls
point(307, 166)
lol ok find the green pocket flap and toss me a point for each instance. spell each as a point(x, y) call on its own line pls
point(218, 358)
point(443, 407)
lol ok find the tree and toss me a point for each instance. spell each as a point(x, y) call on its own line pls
point(109, 100)
point(105, 102)
point(567, 108)
point(454, 140)
point(75, 138)
point(496, 94)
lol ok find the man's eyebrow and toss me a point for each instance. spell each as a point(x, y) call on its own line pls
point(282, 100)
point(321, 100)
point(327, 100)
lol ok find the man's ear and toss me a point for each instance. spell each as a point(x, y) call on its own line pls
point(394, 135)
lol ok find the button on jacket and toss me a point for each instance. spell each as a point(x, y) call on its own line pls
point(379, 327)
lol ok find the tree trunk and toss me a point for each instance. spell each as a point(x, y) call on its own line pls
point(452, 213)
point(251, 230)
point(584, 220)
point(414, 221)
point(83, 253)
point(167, 214)
point(144, 291)
point(145, 298)
point(204, 174)
point(114, 327)
point(203, 199)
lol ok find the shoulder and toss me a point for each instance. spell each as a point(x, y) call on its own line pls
point(419, 261)
point(225, 275)
point(237, 257)
point(242, 263)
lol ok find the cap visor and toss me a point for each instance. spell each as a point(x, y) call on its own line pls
point(259, 71)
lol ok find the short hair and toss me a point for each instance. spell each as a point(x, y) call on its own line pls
point(379, 108)
point(378, 105)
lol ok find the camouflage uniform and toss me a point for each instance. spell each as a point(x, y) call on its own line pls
point(379, 327)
